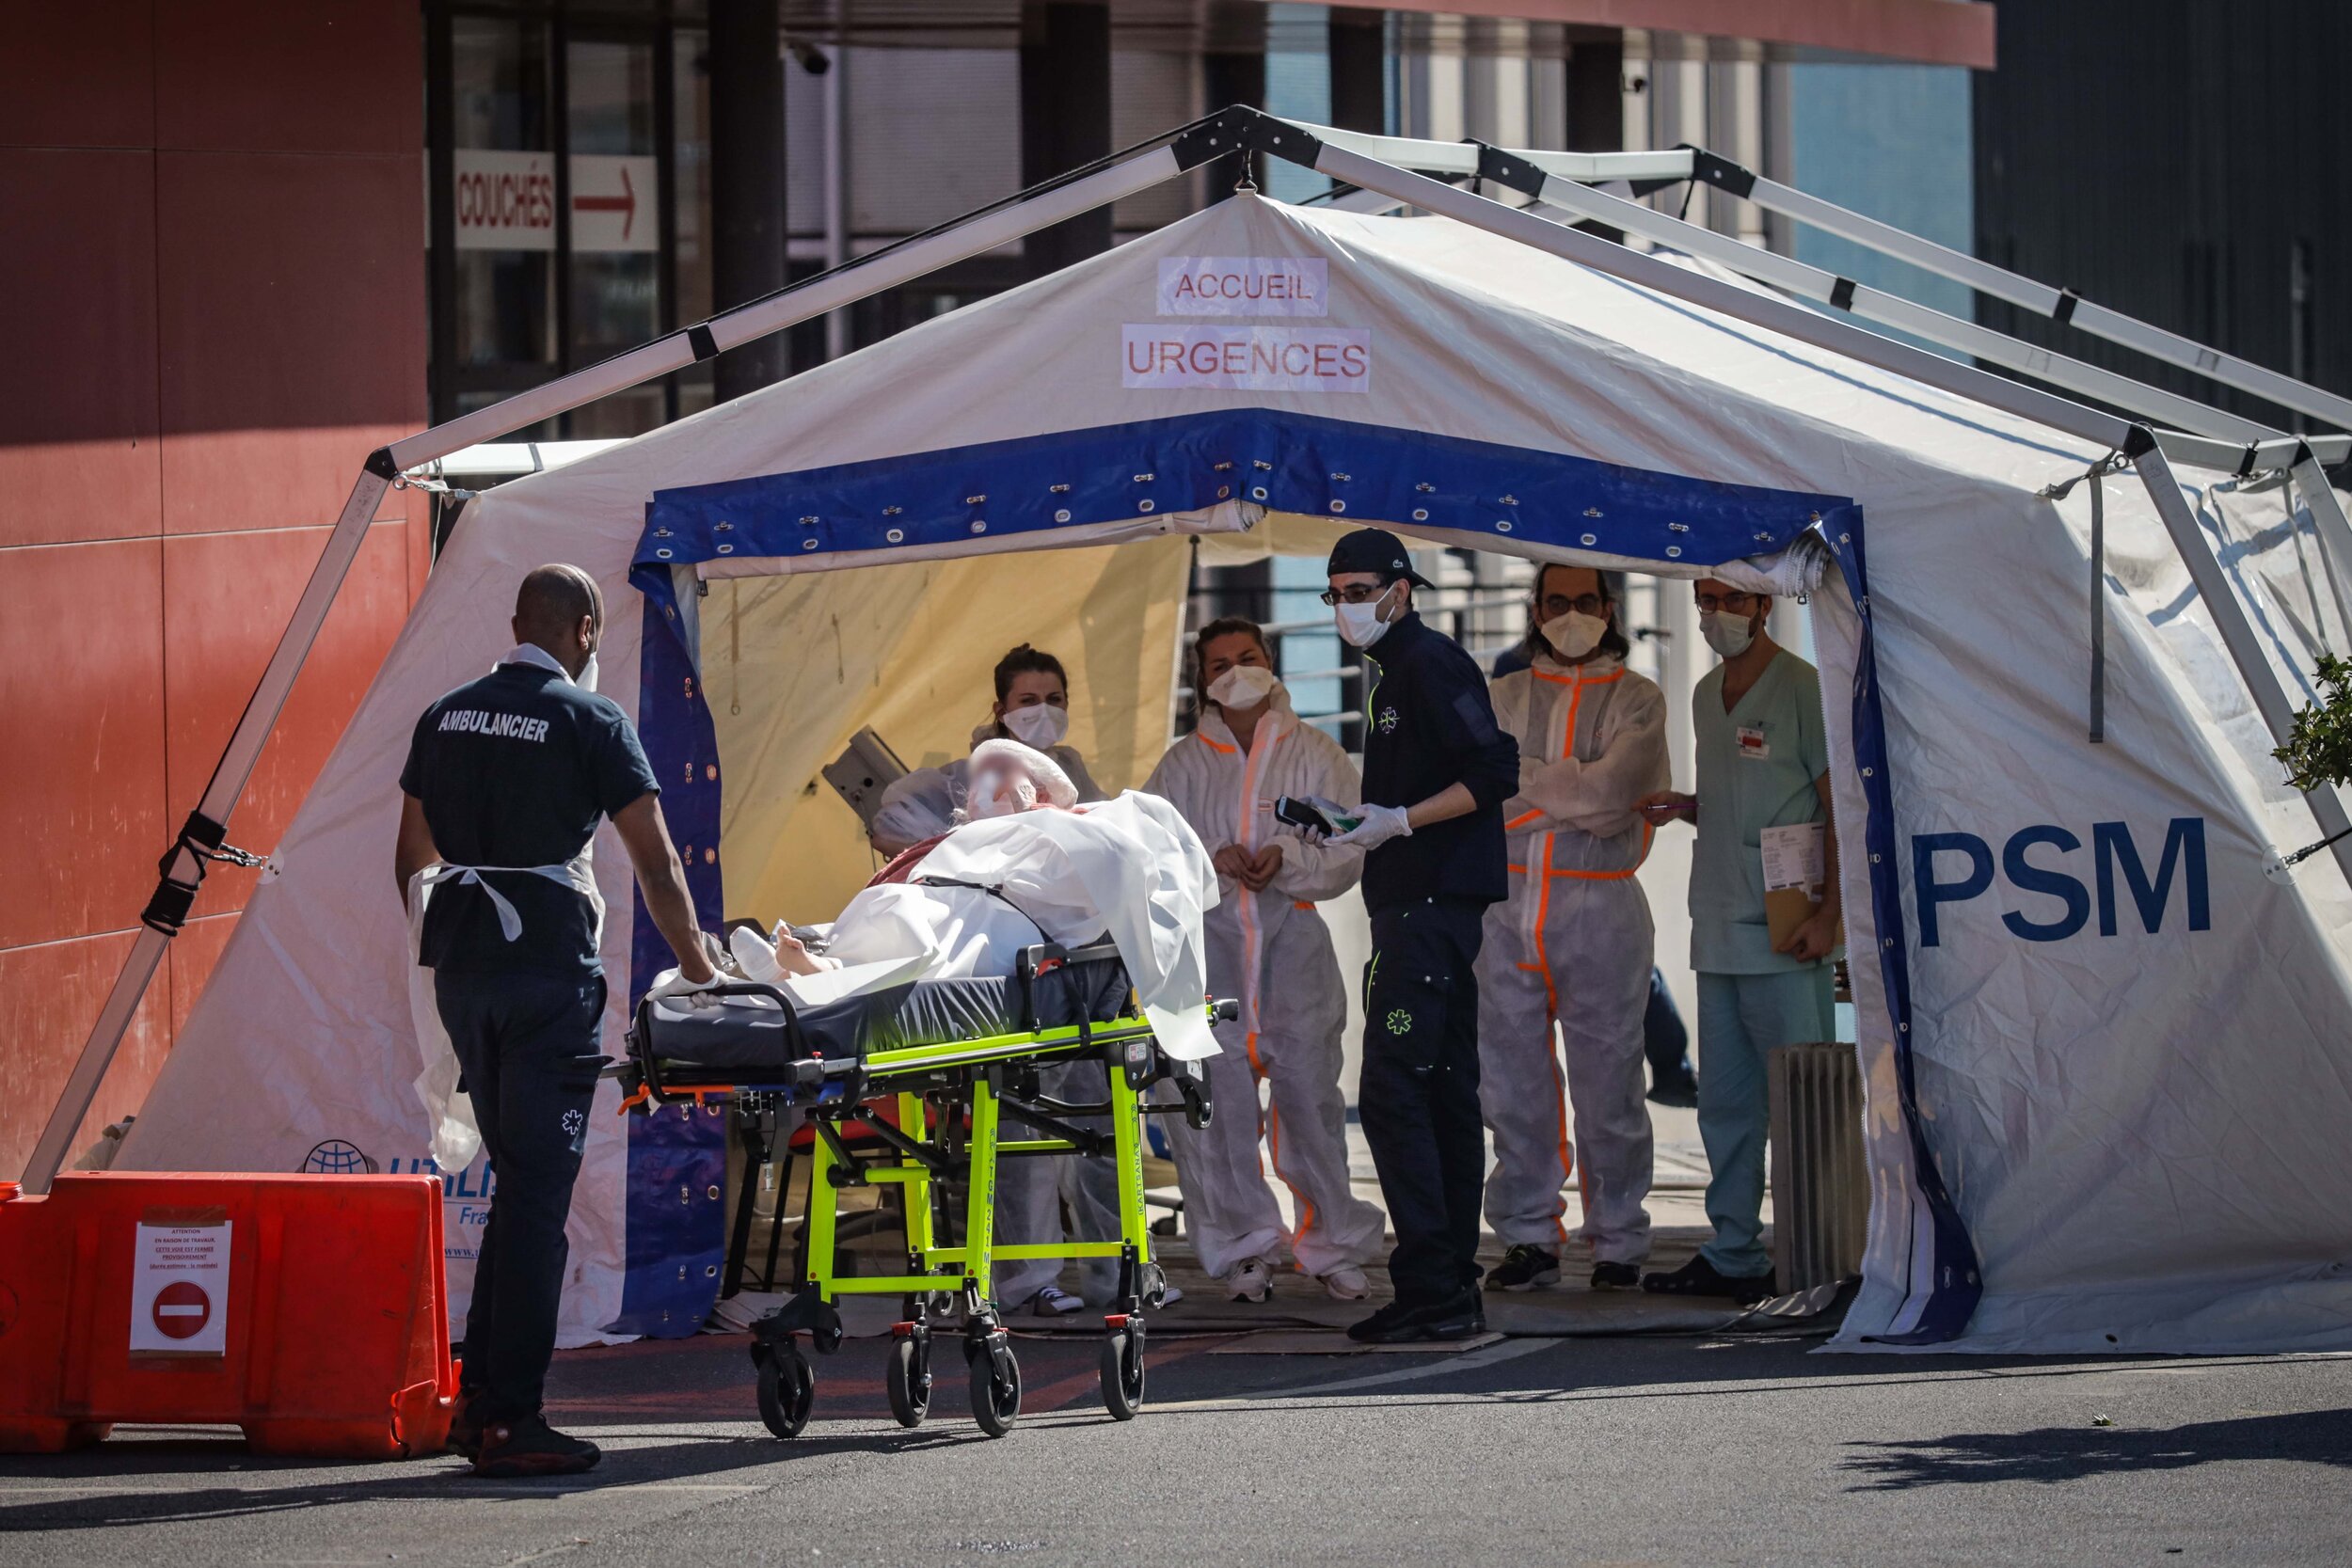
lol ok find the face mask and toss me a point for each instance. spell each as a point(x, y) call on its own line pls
point(586, 679)
point(999, 795)
point(1727, 633)
point(1574, 635)
point(1360, 624)
point(1039, 724)
point(1244, 686)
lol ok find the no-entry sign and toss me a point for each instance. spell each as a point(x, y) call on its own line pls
point(181, 1310)
point(180, 1286)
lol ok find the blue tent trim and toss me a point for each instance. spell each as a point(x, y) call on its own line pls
point(1955, 1282)
point(1286, 461)
point(675, 1207)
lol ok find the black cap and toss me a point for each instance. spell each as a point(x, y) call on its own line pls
point(1377, 550)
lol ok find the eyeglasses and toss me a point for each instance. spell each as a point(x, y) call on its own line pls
point(1556, 605)
point(1739, 604)
point(1355, 593)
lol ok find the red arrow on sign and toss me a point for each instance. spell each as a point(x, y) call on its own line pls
point(624, 203)
point(181, 1310)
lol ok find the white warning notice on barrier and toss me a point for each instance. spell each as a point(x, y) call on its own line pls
point(1245, 286)
point(180, 1289)
point(1245, 359)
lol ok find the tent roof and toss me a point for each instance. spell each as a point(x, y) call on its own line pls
point(1472, 336)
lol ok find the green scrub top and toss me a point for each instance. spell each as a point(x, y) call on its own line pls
point(1756, 765)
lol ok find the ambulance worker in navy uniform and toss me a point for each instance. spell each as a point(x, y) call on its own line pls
point(506, 780)
point(1437, 770)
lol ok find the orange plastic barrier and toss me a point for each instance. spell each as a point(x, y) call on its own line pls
point(307, 1310)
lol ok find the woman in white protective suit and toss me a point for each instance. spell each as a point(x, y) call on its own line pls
point(1032, 706)
point(1572, 943)
point(1267, 946)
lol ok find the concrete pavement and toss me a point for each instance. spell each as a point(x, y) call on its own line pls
point(1694, 1449)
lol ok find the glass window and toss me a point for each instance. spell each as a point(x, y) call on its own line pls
point(503, 169)
point(689, 201)
point(615, 198)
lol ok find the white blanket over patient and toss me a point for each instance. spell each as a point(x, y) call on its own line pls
point(1130, 867)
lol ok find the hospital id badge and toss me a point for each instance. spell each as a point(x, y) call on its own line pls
point(1752, 745)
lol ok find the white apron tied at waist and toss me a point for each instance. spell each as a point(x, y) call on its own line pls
point(456, 1138)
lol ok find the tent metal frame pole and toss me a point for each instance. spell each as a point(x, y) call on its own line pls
point(1864, 303)
point(1650, 170)
point(206, 830)
point(2135, 440)
point(2238, 633)
point(1824, 287)
point(185, 864)
point(2063, 306)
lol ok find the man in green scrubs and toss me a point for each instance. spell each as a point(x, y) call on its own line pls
point(1763, 762)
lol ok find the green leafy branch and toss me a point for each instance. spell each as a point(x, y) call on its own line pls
point(2319, 746)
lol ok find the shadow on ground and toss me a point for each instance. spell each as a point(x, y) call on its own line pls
point(2053, 1454)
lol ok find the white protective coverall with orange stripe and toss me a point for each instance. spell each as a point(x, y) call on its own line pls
point(1271, 951)
point(1572, 944)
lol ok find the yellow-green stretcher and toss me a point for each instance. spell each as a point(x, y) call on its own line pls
point(926, 1087)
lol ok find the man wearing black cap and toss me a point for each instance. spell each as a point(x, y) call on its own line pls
point(1437, 770)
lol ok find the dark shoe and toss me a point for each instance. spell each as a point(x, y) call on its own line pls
point(465, 1428)
point(1523, 1268)
point(1375, 1329)
point(513, 1449)
point(1460, 1317)
point(1679, 1090)
point(1616, 1276)
point(1698, 1278)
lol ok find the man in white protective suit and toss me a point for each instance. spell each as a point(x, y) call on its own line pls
point(1269, 947)
point(1032, 870)
point(1572, 945)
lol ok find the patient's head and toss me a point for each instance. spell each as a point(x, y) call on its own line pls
point(1009, 777)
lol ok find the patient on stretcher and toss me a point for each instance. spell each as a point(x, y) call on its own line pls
point(1028, 866)
point(964, 929)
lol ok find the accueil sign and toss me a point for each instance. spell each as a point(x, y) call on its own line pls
point(1238, 356)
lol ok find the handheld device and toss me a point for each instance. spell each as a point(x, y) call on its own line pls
point(861, 773)
point(1301, 814)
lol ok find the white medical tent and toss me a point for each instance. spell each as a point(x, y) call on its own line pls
point(2101, 1024)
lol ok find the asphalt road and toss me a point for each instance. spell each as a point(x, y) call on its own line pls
point(1626, 1450)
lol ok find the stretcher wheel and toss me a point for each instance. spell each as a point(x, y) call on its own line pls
point(995, 1399)
point(908, 1378)
point(787, 1386)
point(1122, 1372)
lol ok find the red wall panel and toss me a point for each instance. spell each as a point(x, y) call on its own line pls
point(78, 453)
point(48, 998)
point(214, 212)
point(291, 76)
point(229, 595)
point(292, 324)
point(78, 73)
point(82, 728)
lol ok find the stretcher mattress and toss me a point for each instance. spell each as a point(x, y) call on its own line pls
point(735, 1044)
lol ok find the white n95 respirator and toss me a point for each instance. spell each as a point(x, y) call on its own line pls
point(1039, 724)
point(1244, 686)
